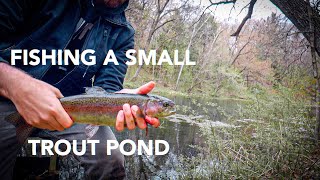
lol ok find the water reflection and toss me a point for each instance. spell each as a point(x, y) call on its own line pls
point(181, 136)
point(178, 135)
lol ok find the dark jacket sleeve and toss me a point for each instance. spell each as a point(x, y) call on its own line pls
point(16, 21)
point(11, 17)
point(3, 60)
point(111, 76)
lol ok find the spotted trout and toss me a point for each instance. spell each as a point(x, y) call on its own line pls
point(97, 107)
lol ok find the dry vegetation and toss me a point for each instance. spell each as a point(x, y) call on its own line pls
point(269, 63)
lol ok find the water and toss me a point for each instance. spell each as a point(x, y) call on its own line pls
point(182, 135)
point(182, 132)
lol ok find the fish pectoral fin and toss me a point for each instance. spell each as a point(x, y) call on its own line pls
point(95, 90)
point(23, 129)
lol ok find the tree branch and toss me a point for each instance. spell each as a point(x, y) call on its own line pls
point(155, 29)
point(216, 4)
point(243, 8)
point(161, 9)
point(172, 10)
point(222, 2)
point(245, 19)
point(297, 13)
point(239, 53)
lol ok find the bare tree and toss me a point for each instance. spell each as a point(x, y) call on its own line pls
point(195, 30)
point(240, 51)
point(315, 67)
point(295, 10)
point(160, 19)
point(306, 17)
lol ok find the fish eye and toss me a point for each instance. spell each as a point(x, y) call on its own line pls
point(166, 104)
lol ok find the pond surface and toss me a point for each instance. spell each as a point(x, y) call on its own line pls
point(182, 132)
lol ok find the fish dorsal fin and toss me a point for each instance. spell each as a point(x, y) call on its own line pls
point(95, 90)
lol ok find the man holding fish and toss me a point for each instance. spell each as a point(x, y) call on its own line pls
point(36, 90)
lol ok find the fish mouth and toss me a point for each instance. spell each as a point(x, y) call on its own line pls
point(166, 114)
point(172, 112)
point(169, 113)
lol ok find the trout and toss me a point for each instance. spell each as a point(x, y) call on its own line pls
point(97, 107)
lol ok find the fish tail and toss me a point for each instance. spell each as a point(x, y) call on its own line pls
point(23, 129)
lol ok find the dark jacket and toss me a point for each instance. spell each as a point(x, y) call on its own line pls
point(50, 24)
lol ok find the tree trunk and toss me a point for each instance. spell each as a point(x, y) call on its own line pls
point(297, 12)
point(315, 69)
point(147, 47)
point(154, 27)
point(307, 20)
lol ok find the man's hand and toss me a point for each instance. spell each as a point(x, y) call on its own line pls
point(133, 115)
point(36, 101)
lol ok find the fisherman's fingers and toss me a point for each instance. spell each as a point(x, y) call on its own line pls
point(56, 125)
point(53, 89)
point(41, 125)
point(128, 117)
point(146, 88)
point(57, 92)
point(156, 122)
point(62, 117)
point(152, 121)
point(136, 112)
point(38, 119)
point(48, 127)
point(46, 121)
point(120, 121)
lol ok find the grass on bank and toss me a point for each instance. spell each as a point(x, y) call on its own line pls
point(272, 138)
point(273, 134)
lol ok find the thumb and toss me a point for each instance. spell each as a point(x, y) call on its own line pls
point(146, 88)
point(57, 92)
